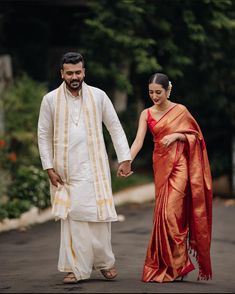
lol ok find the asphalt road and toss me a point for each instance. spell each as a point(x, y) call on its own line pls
point(28, 258)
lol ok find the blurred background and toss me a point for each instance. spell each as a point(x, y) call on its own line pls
point(123, 43)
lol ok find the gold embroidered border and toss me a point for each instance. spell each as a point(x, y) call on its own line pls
point(103, 201)
point(104, 177)
point(72, 250)
point(63, 202)
point(66, 139)
point(92, 154)
point(91, 145)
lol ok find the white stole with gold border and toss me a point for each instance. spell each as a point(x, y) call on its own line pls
point(96, 149)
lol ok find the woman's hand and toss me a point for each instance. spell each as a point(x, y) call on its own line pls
point(169, 139)
point(122, 175)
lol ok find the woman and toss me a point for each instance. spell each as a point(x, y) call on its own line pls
point(183, 207)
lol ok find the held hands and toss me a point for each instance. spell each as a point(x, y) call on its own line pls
point(54, 177)
point(124, 169)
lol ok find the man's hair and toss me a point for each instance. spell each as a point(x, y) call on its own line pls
point(71, 57)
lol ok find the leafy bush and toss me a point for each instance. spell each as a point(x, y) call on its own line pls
point(3, 212)
point(22, 180)
point(8, 160)
point(14, 208)
point(21, 109)
point(30, 184)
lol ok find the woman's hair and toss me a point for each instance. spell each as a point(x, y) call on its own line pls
point(159, 78)
point(71, 57)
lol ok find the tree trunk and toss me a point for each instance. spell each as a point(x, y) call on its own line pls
point(120, 97)
point(5, 80)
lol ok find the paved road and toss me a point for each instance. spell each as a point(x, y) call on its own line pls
point(28, 258)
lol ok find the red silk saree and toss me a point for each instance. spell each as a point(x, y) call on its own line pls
point(182, 219)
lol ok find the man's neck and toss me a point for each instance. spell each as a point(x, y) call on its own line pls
point(74, 92)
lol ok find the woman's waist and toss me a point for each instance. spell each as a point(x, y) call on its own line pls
point(160, 148)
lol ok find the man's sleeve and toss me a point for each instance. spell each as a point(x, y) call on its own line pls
point(45, 134)
point(113, 125)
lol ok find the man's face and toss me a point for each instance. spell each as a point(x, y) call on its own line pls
point(73, 75)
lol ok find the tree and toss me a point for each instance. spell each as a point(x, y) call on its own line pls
point(126, 41)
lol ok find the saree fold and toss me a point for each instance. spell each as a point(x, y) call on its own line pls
point(183, 209)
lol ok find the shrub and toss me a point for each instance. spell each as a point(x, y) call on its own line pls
point(22, 184)
point(14, 208)
point(21, 109)
point(8, 162)
point(30, 183)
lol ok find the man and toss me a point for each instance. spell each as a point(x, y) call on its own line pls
point(72, 150)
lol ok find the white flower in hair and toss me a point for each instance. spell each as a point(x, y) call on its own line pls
point(169, 89)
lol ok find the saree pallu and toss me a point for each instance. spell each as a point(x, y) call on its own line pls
point(182, 219)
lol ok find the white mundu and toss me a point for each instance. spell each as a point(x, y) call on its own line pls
point(70, 139)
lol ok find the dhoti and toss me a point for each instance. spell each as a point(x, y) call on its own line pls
point(85, 246)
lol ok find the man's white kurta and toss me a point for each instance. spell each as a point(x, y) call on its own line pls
point(81, 179)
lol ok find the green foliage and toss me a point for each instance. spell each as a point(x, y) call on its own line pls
point(14, 208)
point(31, 184)
point(120, 29)
point(3, 212)
point(22, 178)
point(7, 166)
point(123, 42)
point(21, 107)
point(7, 158)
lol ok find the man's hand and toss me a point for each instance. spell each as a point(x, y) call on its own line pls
point(54, 177)
point(124, 169)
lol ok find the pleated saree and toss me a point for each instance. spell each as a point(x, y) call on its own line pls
point(183, 205)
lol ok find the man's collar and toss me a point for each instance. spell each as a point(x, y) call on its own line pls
point(71, 95)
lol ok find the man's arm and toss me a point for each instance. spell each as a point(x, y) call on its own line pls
point(45, 134)
point(118, 136)
point(45, 141)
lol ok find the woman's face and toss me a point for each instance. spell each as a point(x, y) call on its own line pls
point(157, 93)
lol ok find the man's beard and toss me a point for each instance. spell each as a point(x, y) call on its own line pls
point(74, 84)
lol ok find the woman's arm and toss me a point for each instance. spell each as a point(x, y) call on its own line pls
point(169, 139)
point(180, 137)
point(140, 135)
